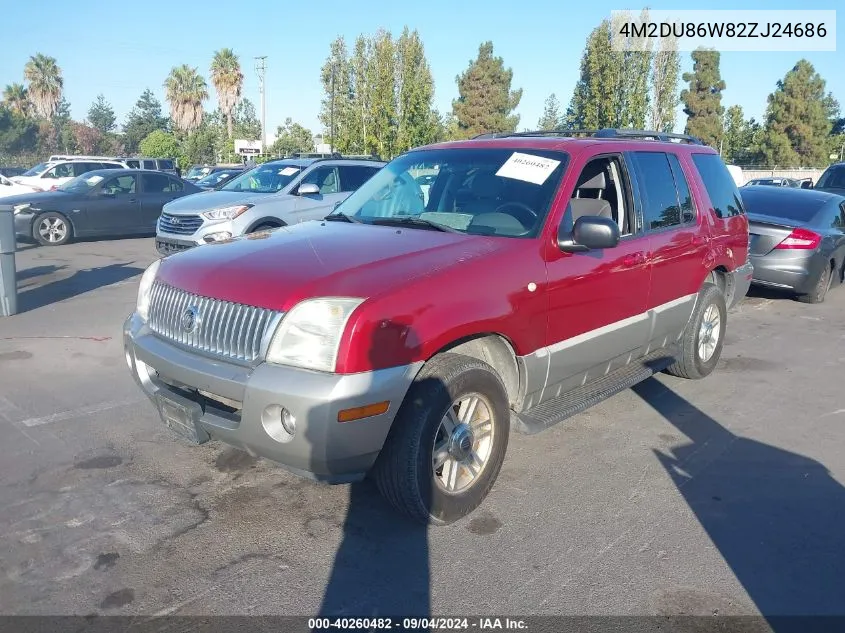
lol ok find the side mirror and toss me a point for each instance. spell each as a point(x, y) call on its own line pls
point(807, 184)
point(590, 232)
point(308, 189)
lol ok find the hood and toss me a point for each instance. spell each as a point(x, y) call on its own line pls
point(277, 269)
point(205, 200)
point(35, 198)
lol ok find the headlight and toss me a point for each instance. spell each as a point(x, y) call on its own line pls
point(227, 213)
point(309, 335)
point(145, 289)
point(21, 207)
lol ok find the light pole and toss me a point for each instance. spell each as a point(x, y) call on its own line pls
point(261, 69)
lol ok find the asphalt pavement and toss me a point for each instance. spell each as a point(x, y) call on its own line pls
point(722, 496)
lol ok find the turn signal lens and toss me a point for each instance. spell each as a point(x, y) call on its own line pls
point(368, 411)
point(801, 238)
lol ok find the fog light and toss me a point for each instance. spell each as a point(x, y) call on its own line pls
point(217, 237)
point(288, 421)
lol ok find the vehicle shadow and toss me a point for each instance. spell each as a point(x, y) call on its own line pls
point(381, 567)
point(42, 292)
point(777, 517)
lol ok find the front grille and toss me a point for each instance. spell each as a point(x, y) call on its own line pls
point(232, 331)
point(179, 224)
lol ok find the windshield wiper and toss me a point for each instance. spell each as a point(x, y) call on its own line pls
point(333, 217)
point(413, 220)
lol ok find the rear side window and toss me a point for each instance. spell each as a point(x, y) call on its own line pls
point(108, 166)
point(353, 176)
point(134, 164)
point(149, 164)
point(159, 183)
point(681, 184)
point(657, 190)
point(80, 168)
point(165, 164)
point(721, 189)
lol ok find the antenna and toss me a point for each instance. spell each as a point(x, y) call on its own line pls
point(261, 69)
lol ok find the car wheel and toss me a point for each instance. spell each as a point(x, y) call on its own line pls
point(820, 289)
point(448, 441)
point(264, 227)
point(701, 343)
point(51, 229)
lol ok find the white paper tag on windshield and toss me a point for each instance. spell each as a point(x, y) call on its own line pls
point(93, 180)
point(288, 171)
point(529, 168)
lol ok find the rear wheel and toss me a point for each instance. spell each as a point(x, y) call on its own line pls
point(448, 441)
point(701, 343)
point(820, 289)
point(51, 229)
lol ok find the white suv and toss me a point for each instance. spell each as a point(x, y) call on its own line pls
point(48, 176)
point(274, 194)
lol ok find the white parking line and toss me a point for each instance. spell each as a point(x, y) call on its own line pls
point(80, 412)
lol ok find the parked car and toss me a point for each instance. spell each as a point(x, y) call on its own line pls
point(55, 174)
point(832, 179)
point(271, 195)
point(405, 339)
point(774, 182)
point(797, 240)
point(98, 203)
point(218, 176)
point(195, 172)
point(9, 188)
point(167, 165)
point(10, 172)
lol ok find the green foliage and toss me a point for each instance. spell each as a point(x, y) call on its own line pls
point(552, 118)
point(228, 81)
point(741, 138)
point(186, 90)
point(101, 115)
point(486, 101)
point(16, 99)
point(612, 89)
point(799, 119)
point(703, 99)
point(159, 144)
point(18, 134)
point(417, 121)
point(45, 84)
point(200, 146)
point(292, 137)
point(145, 117)
point(665, 71)
point(336, 113)
point(245, 122)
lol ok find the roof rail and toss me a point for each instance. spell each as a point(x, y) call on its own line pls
point(615, 133)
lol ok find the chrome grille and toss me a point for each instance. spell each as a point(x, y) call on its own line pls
point(179, 224)
point(221, 328)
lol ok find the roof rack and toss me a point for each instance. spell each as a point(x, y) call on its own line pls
point(615, 133)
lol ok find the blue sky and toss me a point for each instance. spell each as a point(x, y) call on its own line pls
point(121, 49)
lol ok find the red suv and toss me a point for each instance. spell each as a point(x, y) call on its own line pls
point(467, 289)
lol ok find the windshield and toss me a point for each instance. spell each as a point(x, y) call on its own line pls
point(197, 172)
point(40, 168)
point(267, 178)
point(833, 178)
point(81, 184)
point(213, 179)
point(475, 190)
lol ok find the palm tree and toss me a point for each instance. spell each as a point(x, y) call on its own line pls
point(228, 81)
point(186, 90)
point(45, 84)
point(16, 99)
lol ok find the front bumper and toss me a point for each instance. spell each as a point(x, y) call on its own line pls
point(23, 223)
point(740, 282)
point(240, 405)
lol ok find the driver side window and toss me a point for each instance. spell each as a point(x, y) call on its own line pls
point(325, 178)
point(122, 185)
point(63, 170)
point(603, 190)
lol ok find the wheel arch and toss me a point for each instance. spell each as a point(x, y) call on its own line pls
point(64, 214)
point(276, 222)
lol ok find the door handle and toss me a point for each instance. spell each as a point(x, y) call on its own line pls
point(633, 259)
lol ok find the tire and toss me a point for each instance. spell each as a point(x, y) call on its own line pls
point(264, 227)
point(43, 229)
point(405, 472)
point(819, 291)
point(696, 360)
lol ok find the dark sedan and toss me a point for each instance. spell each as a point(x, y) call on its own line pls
point(797, 239)
point(218, 177)
point(105, 202)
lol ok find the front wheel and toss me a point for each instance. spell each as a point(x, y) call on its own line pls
point(51, 229)
point(448, 441)
point(701, 343)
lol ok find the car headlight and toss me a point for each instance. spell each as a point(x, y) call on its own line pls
point(309, 335)
point(145, 289)
point(227, 213)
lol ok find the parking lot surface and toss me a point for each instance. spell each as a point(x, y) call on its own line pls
point(722, 496)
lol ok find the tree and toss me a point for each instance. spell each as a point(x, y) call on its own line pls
point(87, 138)
point(18, 134)
point(16, 99)
point(186, 90)
point(551, 118)
point(292, 137)
point(245, 122)
point(799, 119)
point(101, 115)
point(336, 110)
point(415, 93)
point(634, 61)
point(144, 118)
point(665, 71)
point(741, 138)
point(383, 94)
point(160, 144)
point(228, 81)
point(45, 84)
point(486, 101)
point(703, 99)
